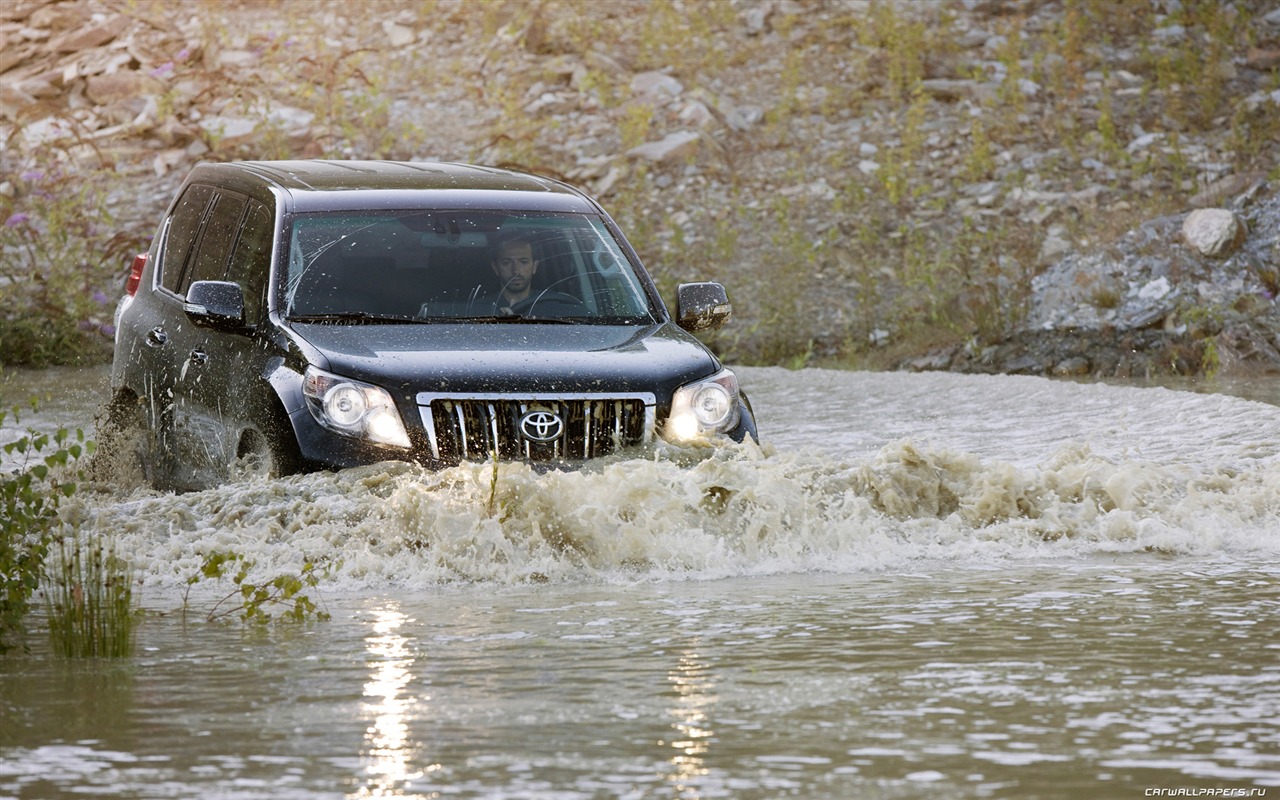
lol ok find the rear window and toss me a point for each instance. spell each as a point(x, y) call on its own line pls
point(220, 230)
point(182, 235)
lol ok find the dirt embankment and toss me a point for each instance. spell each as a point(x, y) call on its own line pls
point(970, 185)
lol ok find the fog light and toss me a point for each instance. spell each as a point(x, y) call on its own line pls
point(384, 426)
point(682, 427)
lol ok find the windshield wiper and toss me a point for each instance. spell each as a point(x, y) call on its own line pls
point(356, 317)
point(509, 318)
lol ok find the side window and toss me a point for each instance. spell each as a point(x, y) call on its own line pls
point(182, 234)
point(210, 260)
point(251, 260)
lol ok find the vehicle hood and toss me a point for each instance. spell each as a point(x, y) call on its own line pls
point(499, 357)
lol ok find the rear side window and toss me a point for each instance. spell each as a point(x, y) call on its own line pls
point(182, 234)
point(210, 260)
point(251, 259)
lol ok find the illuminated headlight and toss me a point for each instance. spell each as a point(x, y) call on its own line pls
point(353, 408)
point(708, 406)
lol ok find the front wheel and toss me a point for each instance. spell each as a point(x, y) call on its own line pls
point(259, 457)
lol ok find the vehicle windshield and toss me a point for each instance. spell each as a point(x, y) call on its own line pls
point(372, 266)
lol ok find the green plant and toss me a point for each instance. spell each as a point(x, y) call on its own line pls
point(91, 601)
point(905, 44)
point(252, 601)
point(1105, 296)
point(667, 28)
point(29, 500)
point(1210, 358)
point(60, 253)
point(637, 121)
point(979, 161)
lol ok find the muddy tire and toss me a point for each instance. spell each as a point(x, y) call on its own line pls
point(126, 444)
point(259, 456)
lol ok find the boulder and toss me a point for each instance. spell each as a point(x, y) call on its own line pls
point(1213, 232)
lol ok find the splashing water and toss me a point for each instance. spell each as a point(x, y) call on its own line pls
point(857, 472)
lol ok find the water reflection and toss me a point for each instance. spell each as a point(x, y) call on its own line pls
point(694, 688)
point(389, 755)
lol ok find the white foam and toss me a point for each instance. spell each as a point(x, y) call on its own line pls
point(858, 472)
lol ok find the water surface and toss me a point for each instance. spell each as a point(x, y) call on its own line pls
point(919, 586)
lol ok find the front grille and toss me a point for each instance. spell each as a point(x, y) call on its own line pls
point(477, 426)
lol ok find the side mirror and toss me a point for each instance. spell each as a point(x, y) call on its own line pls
point(702, 306)
point(216, 304)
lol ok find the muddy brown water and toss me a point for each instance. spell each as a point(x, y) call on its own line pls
point(919, 586)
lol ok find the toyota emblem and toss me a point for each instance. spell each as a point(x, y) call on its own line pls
point(541, 426)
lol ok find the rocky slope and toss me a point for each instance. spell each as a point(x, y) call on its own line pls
point(972, 185)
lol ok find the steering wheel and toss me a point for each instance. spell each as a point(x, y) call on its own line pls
point(554, 304)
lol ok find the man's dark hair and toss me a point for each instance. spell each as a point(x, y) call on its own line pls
point(505, 238)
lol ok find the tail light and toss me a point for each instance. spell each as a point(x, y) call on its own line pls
point(135, 274)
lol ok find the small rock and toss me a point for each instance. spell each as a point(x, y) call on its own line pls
point(935, 361)
point(673, 147)
point(398, 35)
point(45, 131)
point(1145, 317)
point(697, 115)
point(1077, 365)
point(1156, 289)
point(655, 87)
point(756, 18)
point(120, 86)
point(1143, 142)
point(1263, 59)
point(167, 160)
point(1024, 364)
point(742, 118)
point(950, 90)
point(233, 59)
point(90, 36)
point(1053, 248)
point(229, 131)
point(1213, 231)
point(606, 184)
point(1226, 188)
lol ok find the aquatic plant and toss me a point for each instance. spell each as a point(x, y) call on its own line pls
point(29, 499)
point(91, 609)
point(252, 601)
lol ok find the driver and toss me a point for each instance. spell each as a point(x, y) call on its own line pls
point(514, 264)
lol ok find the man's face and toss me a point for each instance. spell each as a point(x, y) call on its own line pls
point(514, 266)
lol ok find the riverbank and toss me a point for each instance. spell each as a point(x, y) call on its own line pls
point(971, 186)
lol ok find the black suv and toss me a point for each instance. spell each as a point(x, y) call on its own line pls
point(322, 314)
